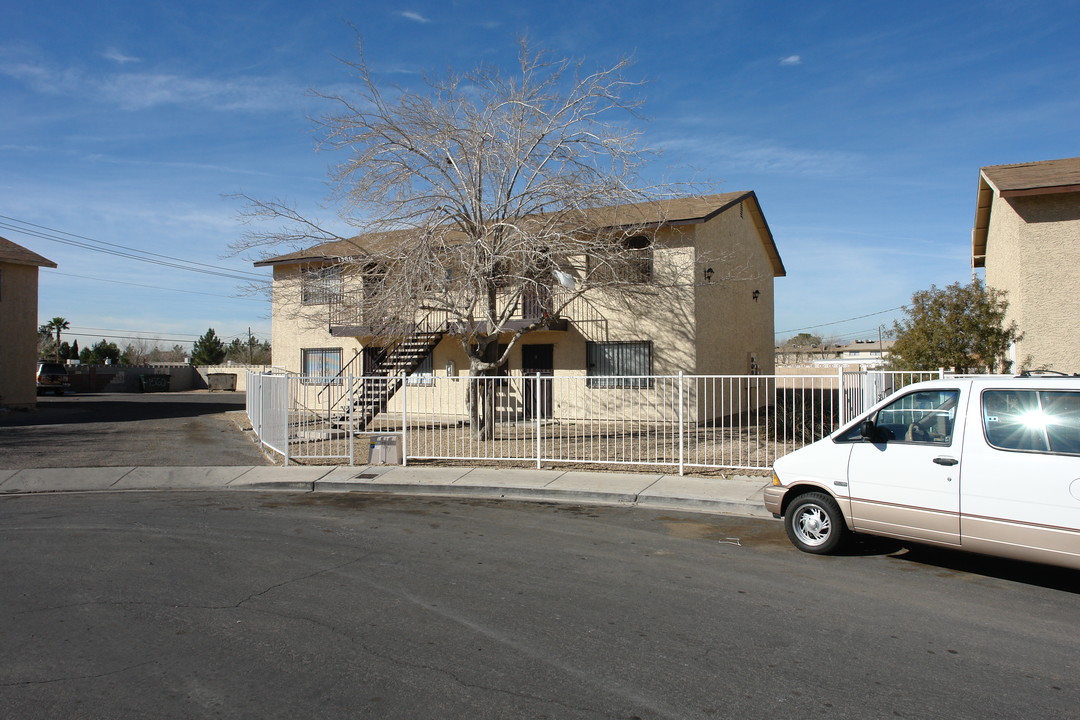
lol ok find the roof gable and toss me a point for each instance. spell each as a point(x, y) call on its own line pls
point(1018, 180)
point(1034, 178)
point(18, 255)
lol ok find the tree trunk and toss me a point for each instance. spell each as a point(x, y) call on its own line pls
point(481, 391)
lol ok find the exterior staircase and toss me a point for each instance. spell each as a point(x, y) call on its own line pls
point(383, 373)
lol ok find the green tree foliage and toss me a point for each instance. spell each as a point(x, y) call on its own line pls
point(208, 350)
point(101, 353)
point(961, 327)
point(251, 352)
point(73, 353)
point(803, 340)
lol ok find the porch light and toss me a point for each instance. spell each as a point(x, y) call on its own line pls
point(756, 294)
point(708, 274)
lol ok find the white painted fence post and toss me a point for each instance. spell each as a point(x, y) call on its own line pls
point(405, 419)
point(682, 429)
point(536, 413)
point(349, 436)
point(842, 394)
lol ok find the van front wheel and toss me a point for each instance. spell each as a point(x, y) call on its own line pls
point(814, 524)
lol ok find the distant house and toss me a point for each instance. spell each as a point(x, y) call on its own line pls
point(18, 323)
point(858, 353)
point(1027, 237)
point(714, 326)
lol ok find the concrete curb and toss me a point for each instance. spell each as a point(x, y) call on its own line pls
point(737, 495)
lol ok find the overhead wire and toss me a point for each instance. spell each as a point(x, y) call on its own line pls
point(47, 233)
point(839, 322)
point(152, 287)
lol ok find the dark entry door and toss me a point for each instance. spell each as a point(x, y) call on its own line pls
point(537, 359)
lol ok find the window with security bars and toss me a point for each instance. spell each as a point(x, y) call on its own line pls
point(321, 365)
point(608, 363)
point(321, 286)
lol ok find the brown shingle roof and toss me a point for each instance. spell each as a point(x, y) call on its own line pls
point(677, 211)
point(18, 255)
point(1048, 176)
point(1032, 178)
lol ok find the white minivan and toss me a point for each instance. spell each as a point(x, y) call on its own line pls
point(987, 464)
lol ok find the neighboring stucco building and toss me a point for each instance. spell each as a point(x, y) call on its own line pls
point(18, 323)
point(1027, 237)
point(718, 321)
point(859, 353)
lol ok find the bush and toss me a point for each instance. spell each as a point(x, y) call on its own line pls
point(804, 416)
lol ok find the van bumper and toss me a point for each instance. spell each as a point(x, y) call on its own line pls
point(774, 498)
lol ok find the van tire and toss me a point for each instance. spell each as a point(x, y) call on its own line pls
point(814, 524)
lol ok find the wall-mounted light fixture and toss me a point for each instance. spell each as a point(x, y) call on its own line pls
point(708, 274)
point(756, 294)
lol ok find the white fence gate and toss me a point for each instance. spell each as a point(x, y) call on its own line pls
point(678, 421)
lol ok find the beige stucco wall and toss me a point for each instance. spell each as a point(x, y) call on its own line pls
point(1033, 252)
point(295, 327)
point(18, 335)
point(731, 325)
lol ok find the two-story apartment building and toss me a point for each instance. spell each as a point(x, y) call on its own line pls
point(1027, 237)
point(717, 318)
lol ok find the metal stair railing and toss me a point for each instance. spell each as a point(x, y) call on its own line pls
point(382, 381)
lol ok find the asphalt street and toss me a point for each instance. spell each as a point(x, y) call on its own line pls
point(276, 604)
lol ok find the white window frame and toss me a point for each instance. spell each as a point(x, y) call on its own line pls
point(309, 357)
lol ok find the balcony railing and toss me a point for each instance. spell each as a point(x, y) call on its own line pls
point(347, 315)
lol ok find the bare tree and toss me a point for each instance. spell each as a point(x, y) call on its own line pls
point(485, 191)
point(139, 351)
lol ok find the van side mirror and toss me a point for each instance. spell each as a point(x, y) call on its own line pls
point(869, 431)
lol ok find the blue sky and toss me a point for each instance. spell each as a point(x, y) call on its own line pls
point(860, 125)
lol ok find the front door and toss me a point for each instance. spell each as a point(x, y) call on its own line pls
point(906, 482)
point(537, 359)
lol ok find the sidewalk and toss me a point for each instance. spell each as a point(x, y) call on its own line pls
point(739, 495)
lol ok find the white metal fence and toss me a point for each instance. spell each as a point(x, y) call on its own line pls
point(680, 421)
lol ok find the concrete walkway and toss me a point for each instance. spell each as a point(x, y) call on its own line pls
point(738, 495)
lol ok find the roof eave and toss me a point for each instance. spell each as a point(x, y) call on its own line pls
point(984, 203)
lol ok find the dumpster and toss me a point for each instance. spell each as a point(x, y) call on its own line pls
point(384, 450)
point(154, 383)
point(221, 381)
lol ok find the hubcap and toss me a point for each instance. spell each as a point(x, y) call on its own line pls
point(812, 525)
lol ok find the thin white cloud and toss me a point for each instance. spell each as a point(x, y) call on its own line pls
point(138, 91)
point(751, 155)
point(117, 56)
point(414, 16)
point(791, 60)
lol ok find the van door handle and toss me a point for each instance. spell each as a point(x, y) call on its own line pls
point(946, 461)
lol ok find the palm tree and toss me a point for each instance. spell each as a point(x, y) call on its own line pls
point(57, 324)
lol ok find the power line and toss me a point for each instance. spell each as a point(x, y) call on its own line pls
point(127, 337)
point(152, 287)
point(111, 332)
point(47, 233)
point(114, 330)
point(838, 322)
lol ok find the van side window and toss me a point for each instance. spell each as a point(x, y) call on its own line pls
point(927, 416)
point(1032, 420)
